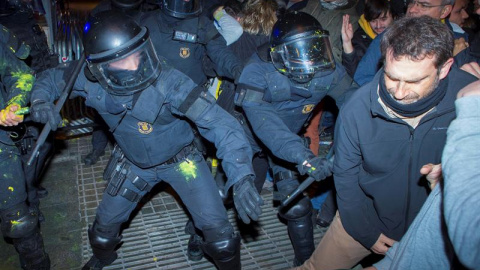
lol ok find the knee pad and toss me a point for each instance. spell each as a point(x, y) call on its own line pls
point(296, 210)
point(104, 239)
point(18, 221)
point(221, 243)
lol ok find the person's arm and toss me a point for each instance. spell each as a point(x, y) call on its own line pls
point(227, 26)
point(17, 79)
point(48, 87)
point(461, 163)
point(368, 66)
point(226, 63)
point(350, 196)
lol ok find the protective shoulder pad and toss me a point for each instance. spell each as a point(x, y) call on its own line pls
point(248, 93)
point(196, 103)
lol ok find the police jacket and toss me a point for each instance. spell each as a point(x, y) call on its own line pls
point(378, 160)
point(185, 43)
point(277, 109)
point(16, 81)
point(153, 126)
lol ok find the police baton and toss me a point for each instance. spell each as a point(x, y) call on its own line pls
point(305, 184)
point(58, 106)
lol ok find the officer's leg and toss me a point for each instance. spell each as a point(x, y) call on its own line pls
point(298, 215)
point(195, 185)
point(17, 221)
point(113, 211)
point(21, 225)
point(328, 210)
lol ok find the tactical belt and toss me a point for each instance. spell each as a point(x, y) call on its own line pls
point(180, 155)
point(123, 172)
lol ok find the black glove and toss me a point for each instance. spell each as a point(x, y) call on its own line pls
point(247, 200)
point(44, 112)
point(318, 168)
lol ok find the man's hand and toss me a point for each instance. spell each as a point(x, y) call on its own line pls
point(8, 116)
point(347, 34)
point(433, 173)
point(44, 112)
point(382, 245)
point(247, 200)
point(318, 168)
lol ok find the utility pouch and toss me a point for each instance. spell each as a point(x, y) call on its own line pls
point(116, 171)
point(117, 178)
point(115, 158)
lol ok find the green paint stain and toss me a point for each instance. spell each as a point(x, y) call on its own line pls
point(24, 80)
point(188, 169)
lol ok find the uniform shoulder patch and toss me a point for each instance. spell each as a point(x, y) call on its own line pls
point(184, 52)
point(144, 127)
point(308, 108)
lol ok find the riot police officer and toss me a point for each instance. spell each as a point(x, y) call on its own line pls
point(144, 101)
point(183, 34)
point(18, 17)
point(19, 222)
point(277, 91)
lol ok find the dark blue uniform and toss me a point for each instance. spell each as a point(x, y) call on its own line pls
point(277, 110)
point(197, 37)
point(153, 130)
point(18, 221)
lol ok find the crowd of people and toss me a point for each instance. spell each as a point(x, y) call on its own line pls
point(240, 81)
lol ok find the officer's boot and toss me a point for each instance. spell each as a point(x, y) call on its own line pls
point(92, 157)
point(223, 246)
point(300, 223)
point(103, 240)
point(194, 250)
point(301, 235)
point(32, 252)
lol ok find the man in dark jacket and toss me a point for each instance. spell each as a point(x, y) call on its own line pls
point(149, 107)
point(386, 132)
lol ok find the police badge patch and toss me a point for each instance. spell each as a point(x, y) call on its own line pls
point(184, 52)
point(144, 127)
point(308, 108)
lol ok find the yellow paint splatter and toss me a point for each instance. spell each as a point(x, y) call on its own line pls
point(24, 80)
point(154, 259)
point(10, 188)
point(15, 223)
point(188, 169)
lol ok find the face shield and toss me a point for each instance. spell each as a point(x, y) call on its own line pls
point(182, 8)
point(130, 73)
point(301, 58)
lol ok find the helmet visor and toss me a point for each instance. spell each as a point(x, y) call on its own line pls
point(304, 56)
point(182, 8)
point(130, 73)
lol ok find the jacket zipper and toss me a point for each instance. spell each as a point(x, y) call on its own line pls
point(407, 204)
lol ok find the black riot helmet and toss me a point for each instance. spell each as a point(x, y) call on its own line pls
point(119, 53)
point(182, 8)
point(299, 47)
point(127, 4)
